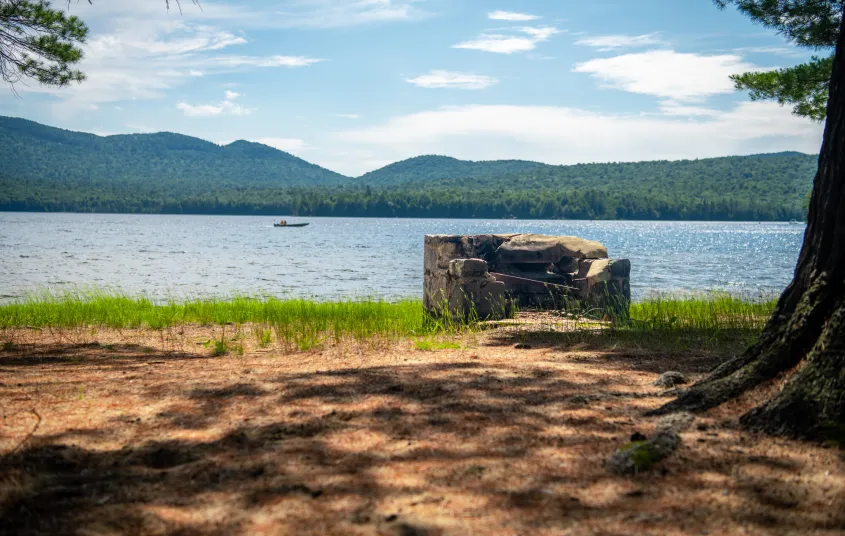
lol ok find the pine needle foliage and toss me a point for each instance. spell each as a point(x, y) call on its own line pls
point(812, 24)
point(40, 43)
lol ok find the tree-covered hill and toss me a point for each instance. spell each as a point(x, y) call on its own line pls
point(777, 178)
point(45, 168)
point(432, 167)
point(31, 151)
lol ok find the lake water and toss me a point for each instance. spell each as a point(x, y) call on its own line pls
point(204, 256)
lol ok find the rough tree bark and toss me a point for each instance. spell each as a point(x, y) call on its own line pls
point(807, 329)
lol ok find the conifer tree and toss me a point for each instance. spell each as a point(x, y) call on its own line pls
point(40, 43)
point(812, 24)
point(806, 334)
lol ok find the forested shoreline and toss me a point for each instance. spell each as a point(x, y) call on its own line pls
point(591, 204)
point(46, 169)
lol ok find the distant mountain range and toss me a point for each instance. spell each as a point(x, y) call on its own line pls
point(30, 150)
point(46, 168)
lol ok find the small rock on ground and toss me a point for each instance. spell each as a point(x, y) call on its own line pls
point(671, 379)
point(642, 454)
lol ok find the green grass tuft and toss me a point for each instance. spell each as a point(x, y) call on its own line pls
point(265, 337)
point(219, 348)
point(428, 345)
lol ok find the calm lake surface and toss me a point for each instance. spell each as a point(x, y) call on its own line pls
point(205, 256)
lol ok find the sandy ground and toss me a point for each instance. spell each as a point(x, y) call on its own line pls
point(148, 433)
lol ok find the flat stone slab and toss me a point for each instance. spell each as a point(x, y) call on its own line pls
point(533, 248)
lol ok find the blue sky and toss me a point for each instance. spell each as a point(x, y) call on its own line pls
point(353, 85)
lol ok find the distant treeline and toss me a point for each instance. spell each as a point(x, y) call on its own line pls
point(48, 169)
point(365, 202)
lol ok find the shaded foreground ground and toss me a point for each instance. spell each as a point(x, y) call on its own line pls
point(139, 432)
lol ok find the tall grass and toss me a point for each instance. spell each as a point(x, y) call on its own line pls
point(710, 312)
point(305, 323)
point(717, 322)
point(298, 321)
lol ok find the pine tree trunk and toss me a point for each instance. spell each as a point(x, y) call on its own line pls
point(808, 325)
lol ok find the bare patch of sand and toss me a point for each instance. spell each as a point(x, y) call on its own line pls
point(147, 433)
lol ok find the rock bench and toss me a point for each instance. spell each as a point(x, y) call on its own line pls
point(483, 275)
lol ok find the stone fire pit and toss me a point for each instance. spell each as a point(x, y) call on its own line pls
point(484, 275)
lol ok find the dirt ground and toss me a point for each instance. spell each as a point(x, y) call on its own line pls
point(136, 432)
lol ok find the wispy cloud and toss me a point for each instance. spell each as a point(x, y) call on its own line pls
point(226, 107)
point(200, 38)
point(451, 80)
point(484, 132)
point(263, 61)
point(522, 39)
point(338, 13)
point(668, 74)
point(140, 52)
point(511, 16)
point(347, 116)
point(778, 51)
point(612, 42)
point(672, 108)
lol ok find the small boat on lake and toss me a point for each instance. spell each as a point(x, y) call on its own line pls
point(290, 224)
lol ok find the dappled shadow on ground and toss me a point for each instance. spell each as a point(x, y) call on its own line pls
point(409, 443)
point(688, 351)
point(107, 355)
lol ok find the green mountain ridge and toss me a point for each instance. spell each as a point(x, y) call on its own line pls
point(435, 167)
point(46, 168)
point(33, 151)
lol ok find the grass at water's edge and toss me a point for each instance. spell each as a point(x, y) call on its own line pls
point(710, 311)
point(298, 321)
point(306, 323)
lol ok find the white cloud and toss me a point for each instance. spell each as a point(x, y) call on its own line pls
point(289, 145)
point(452, 80)
point(351, 162)
point(226, 107)
point(674, 108)
point(264, 61)
point(560, 135)
point(338, 13)
point(521, 39)
point(347, 116)
point(140, 51)
point(778, 51)
point(198, 38)
point(668, 74)
point(511, 16)
point(611, 42)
